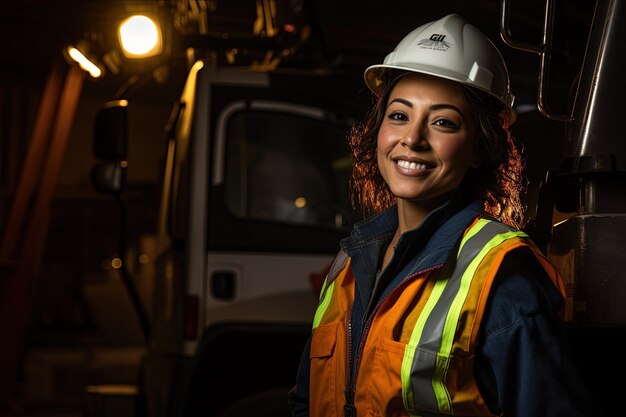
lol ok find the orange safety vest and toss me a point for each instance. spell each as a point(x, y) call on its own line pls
point(417, 357)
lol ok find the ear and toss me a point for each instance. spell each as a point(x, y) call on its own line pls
point(508, 117)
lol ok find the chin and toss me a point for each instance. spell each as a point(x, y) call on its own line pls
point(428, 200)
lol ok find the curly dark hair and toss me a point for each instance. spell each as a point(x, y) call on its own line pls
point(498, 181)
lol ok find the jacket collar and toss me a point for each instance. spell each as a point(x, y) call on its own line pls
point(427, 245)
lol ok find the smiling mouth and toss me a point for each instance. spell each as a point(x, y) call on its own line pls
point(412, 165)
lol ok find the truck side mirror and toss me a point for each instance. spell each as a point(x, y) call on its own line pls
point(108, 177)
point(110, 143)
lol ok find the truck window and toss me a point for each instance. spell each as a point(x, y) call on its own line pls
point(286, 163)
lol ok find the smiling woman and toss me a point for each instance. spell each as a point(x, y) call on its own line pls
point(495, 170)
point(425, 141)
point(437, 304)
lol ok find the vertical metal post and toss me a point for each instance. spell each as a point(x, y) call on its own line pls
point(23, 245)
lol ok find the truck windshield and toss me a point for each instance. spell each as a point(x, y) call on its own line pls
point(287, 166)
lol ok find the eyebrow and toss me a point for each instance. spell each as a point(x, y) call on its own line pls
point(433, 107)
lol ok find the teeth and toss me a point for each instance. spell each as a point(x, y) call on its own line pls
point(411, 165)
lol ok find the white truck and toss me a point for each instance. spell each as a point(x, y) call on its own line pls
point(253, 206)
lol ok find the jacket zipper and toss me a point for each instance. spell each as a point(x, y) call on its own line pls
point(348, 409)
point(352, 369)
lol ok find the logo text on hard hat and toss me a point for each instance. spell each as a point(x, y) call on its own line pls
point(436, 41)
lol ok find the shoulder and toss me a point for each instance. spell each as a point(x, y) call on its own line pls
point(524, 364)
point(486, 231)
point(338, 264)
point(522, 288)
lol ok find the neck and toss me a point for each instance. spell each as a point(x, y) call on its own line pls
point(412, 213)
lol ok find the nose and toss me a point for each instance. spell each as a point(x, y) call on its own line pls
point(415, 138)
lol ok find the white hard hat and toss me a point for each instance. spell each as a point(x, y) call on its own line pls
point(449, 48)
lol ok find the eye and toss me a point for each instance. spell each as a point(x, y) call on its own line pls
point(397, 116)
point(447, 123)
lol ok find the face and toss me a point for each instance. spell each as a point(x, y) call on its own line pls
point(426, 140)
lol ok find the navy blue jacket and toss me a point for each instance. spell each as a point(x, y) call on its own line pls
point(524, 366)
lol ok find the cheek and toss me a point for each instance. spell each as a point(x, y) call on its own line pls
point(380, 157)
point(458, 152)
point(383, 139)
point(383, 144)
point(383, 147)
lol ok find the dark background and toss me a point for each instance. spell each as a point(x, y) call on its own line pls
point(349, 35)
point(70, 310)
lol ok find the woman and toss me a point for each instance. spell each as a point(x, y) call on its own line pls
point(437, 304)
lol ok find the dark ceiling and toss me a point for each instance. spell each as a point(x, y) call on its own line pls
point(350, 34)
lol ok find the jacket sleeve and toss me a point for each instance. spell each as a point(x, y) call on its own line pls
point(299, 394)
point(524, 364)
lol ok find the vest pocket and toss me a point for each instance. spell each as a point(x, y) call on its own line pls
point(324, 340)
point(385, 383)
point(323, 377)
point(414, 379)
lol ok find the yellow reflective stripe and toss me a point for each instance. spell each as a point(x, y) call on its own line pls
point(321, 309)
point(409, 349)
point(447, 339)
point(475, 229)
point(324, 284)
point(416, 334)
point(444, 403)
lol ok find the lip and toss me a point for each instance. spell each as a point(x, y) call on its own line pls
point(414, 167)
point(412, 159)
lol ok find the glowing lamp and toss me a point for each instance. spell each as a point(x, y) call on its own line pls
point(140, 37)
point(84, 62)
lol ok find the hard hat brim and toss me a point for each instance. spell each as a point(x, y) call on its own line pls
point(377, 82)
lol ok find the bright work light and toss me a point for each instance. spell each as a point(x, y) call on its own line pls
point(140, 37)
point(84, 62)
